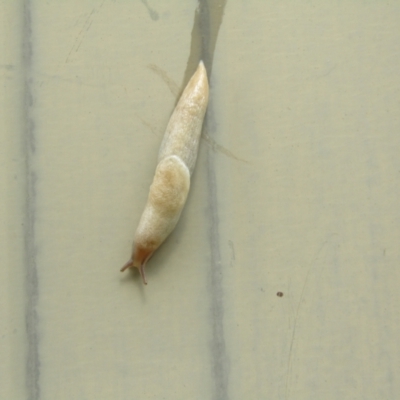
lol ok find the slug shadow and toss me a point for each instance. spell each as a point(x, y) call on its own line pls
point(132, 275)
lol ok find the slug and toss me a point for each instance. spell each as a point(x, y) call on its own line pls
point(171, 183)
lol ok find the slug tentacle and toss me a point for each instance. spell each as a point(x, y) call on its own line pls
point(129, 264)
point(142, 273)
point(171, 183)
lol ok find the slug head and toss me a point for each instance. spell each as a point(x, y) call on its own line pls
point(138, 260)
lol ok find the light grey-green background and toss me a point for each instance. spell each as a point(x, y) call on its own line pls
point(296, 191)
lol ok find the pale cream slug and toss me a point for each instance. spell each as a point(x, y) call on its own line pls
point(176, 161)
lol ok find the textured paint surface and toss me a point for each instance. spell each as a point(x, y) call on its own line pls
point(295, 192)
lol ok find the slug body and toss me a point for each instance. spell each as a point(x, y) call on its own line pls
point(171, 183)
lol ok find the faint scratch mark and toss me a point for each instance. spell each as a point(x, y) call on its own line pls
point(58, 78)
point(326, 72)
point(152, 128)
point(290, 361)
point(153, 14)
point(296, 317)
point(82, 33)
point(232, 247)
point(174, 89)
point(217, 147)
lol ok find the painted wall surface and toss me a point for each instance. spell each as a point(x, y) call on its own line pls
point(282, 278)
